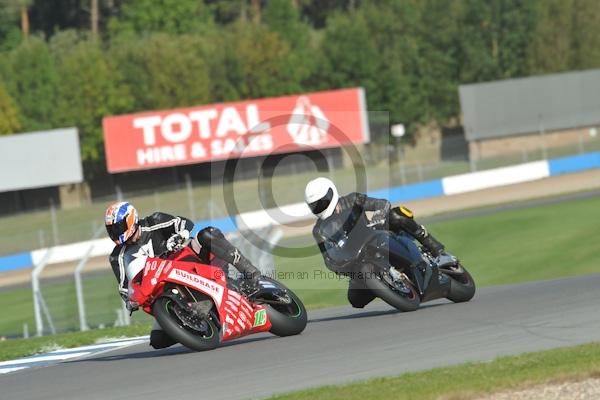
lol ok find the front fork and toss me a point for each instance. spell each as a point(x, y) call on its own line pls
point(422, 272)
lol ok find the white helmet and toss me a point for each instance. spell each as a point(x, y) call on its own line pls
point(321, 195)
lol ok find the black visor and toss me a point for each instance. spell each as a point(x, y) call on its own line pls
point(116, 230)
point(321, 205)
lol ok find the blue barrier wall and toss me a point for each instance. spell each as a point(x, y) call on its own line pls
point(225, 224)
point(413, 191)
point(567, 165)
point(15, 261)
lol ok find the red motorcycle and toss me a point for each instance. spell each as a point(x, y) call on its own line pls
point(197, 305)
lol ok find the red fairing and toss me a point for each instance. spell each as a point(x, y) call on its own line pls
point(238, 316)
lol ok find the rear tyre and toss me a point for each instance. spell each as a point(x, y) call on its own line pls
point(200, 335)
point(286, 319)
point(462, 285)
point(400, 295)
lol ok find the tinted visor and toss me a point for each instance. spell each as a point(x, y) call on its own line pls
point(321, 205)
point(116, 230)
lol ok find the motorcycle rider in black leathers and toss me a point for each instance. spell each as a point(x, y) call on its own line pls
point(157, 233)
point(323, 199)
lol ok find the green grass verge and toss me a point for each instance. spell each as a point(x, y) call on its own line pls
point(16, 348)
point(514, 246)
point(468, 380)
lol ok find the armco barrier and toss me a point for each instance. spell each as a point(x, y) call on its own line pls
point(296, 212)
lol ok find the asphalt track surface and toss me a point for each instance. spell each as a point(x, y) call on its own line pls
point(339, 345)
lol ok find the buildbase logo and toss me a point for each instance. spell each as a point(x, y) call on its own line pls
point(198, 282)
point(235, 130)
point(308, 124)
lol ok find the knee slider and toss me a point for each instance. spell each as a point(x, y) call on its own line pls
point(403, 218)
point(206, 235)
point(403, 211)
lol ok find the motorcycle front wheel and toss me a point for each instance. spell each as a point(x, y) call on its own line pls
point(462, 285)
point(400, 295)
point(189, 330)
point(288, 317)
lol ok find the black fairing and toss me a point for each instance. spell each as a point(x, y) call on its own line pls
point(358, 244)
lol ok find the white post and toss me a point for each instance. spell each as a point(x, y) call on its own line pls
point(119, 193)
point(78, 284)
point(402, 173)
point(524, 155)
point(53, 221)
point(420, 172)
point(41, 236)
point(79, 289)
point(543, 137)
point(126, 316)
point(35, 286)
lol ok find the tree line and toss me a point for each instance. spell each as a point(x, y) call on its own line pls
point(72, 62)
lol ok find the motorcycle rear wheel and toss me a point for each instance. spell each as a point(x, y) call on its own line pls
point(163, 310)
point(403, 301)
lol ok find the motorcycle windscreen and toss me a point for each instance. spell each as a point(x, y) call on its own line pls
point(348, 233)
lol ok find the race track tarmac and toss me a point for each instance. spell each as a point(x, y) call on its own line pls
point(339, 345)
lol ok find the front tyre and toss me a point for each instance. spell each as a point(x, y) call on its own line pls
point(398, 294)
point(462, 285)
point(192, 332)
point(288, 318)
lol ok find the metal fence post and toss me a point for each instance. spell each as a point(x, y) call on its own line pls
point(38, 300)
point(126, 315)
point(79, 289)
point(41, 238)
point(53, 222)
point(119, 193)
point(78, 284)
point(543, 137)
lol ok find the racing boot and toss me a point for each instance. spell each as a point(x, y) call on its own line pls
point(428, 241)
point(250, 274)
point(402, 219)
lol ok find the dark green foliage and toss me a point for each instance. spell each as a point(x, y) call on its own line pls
point(9, 118)
point(168, 16)
point(409, 55)
point(91, 88)
point(32, 80)
point(164, 71)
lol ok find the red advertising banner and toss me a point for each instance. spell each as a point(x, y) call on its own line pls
point(232, 130)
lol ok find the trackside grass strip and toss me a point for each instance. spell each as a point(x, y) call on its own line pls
point(17, 348)
point(468, 381)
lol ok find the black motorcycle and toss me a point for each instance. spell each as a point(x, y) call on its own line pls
point(394, 267)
